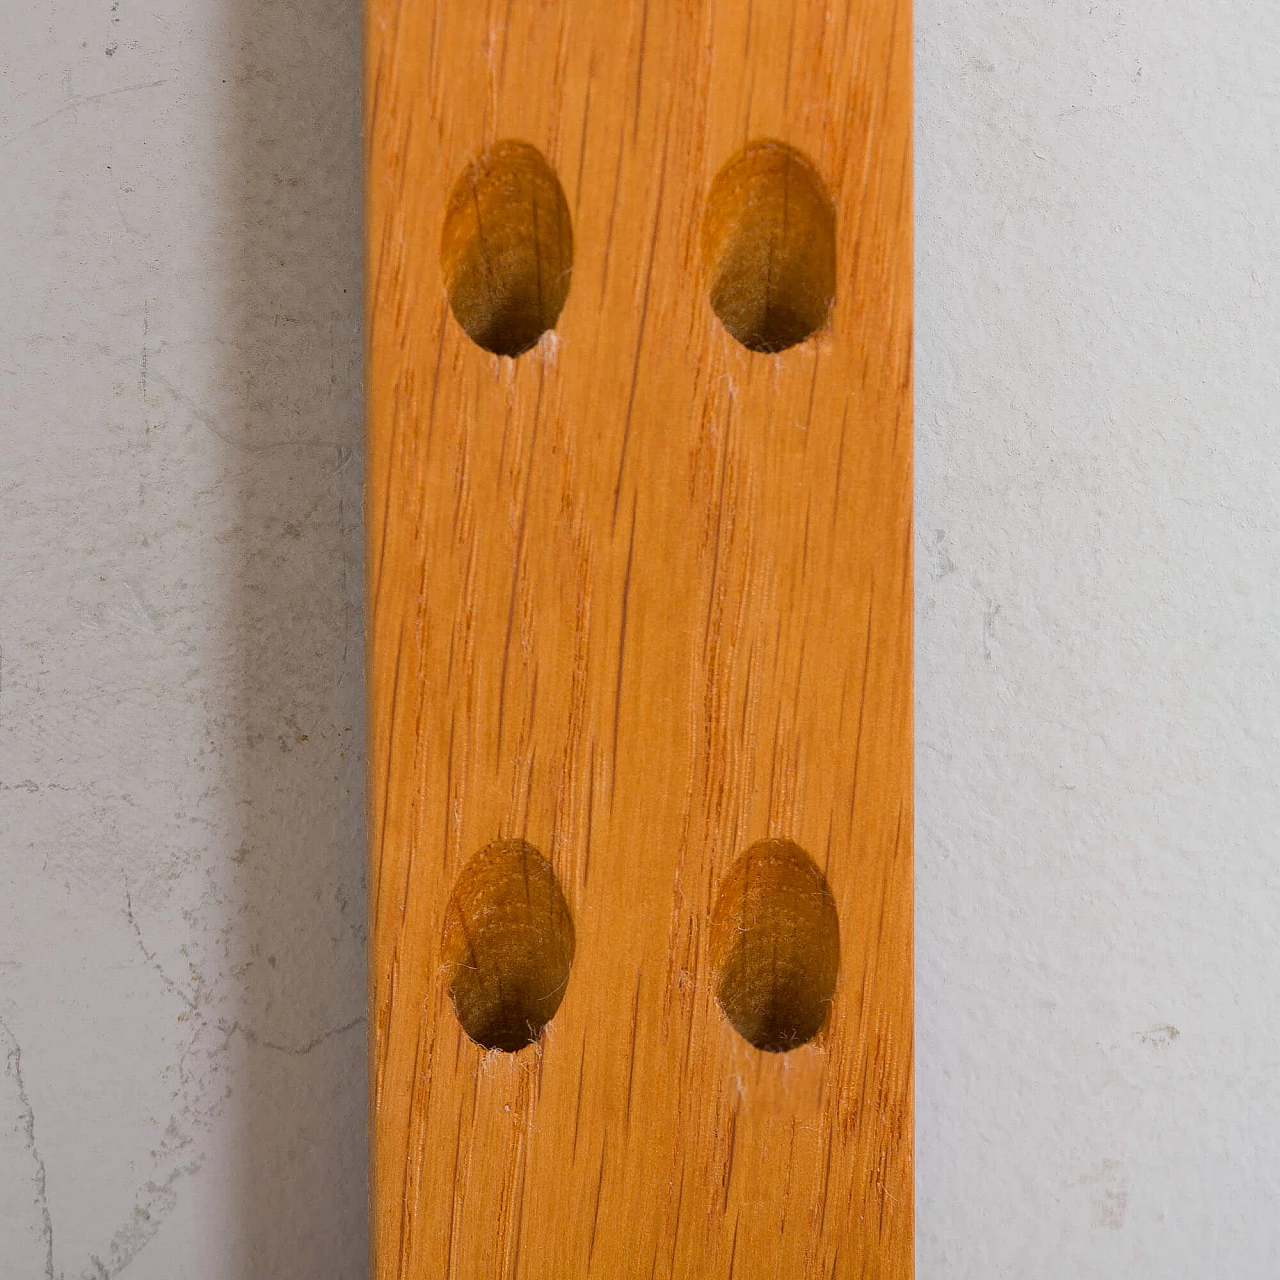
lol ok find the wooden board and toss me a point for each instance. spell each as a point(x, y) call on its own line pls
point(641, 597)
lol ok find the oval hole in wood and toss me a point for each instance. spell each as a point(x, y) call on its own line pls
point(508, 945)
point(507, 248)
point(775, 946)
point(769, 247)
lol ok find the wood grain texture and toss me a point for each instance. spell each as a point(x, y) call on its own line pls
point(641, 597)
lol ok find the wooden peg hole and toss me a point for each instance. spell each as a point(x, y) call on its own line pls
point(769, 247)
point(507, 248)
point(508, 945)
point(775, 946)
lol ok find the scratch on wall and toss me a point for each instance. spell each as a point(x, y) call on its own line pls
point(13, 1069)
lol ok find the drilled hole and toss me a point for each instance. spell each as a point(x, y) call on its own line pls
point(775, 946)
point(508, 945)
point(769, 247)
point(507, 248)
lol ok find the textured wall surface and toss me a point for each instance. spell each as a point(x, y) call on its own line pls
point(181, 914)
point(181, 790)
point(1098, 670)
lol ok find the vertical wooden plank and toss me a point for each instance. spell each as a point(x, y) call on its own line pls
point(641, 597)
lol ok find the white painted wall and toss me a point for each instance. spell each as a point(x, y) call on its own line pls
point(1098, 670)
point(181, 916)
point(181, 857)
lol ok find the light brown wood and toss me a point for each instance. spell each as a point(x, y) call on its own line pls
point(641, 598)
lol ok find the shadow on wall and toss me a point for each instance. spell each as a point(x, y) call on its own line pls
point(290, 321)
